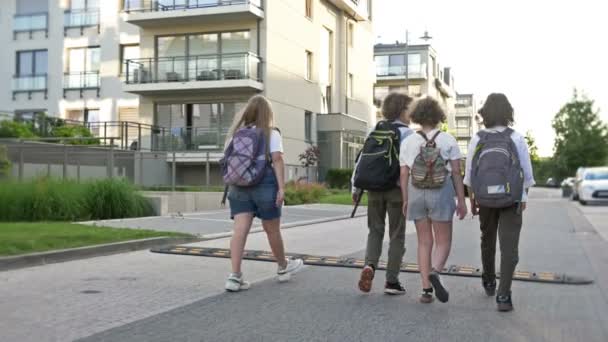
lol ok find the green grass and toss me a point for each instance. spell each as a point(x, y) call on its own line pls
point(22, 238)
point(341, 197)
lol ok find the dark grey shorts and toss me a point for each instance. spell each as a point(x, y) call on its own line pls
point(436, 204)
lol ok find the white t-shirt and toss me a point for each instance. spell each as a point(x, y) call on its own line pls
point(276, 142)
point(410, 148)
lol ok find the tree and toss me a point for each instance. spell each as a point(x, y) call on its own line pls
point(581, 138)
point(310, 157)
point(532, 148)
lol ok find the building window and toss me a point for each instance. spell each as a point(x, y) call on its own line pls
point(308, 65)
point(351, 35)
point(350, 86)
point(308, 126)
point(32, 63)
point(463, 123)
point(127, 52)
point(463, 144)
point(379, 95)
point(83, 68)
point(308, 9)
point(415, 90)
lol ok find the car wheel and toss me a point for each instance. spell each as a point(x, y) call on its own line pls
point(574, 197)
point(583, 202)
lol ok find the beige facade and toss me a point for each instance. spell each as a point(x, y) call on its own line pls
point(426, 75)
point(467, 122)
point(187, 67)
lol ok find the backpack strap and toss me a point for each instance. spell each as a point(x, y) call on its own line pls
point(431, 142)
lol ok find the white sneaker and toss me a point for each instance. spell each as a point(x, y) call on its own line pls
point(236, 284)
point(292, 267)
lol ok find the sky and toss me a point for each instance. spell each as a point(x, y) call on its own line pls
point(534, 51)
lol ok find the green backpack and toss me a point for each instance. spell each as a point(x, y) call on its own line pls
point(429, 170)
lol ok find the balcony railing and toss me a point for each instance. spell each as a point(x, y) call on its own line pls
point(81, 19)
point(85, 80)
point(30, 23)
point(234, 66)
point(417, 71)
point(172, 5)
point(189, 139)
point(461, 132)
point(30, 84)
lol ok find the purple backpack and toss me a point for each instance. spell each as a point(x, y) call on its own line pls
point(245, 159)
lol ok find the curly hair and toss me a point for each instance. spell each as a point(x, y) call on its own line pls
point(394, 104)
point(428, 112)
point(497, 111)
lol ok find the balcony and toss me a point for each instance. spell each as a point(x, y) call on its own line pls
point(81, 81)
point(463, 132)
point(398, 72)
point(80, 19)
point(357, 8)
point(149, 13)
point(194, 73)
point(30, 84)
point(30, 23)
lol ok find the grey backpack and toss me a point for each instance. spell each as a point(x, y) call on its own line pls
point(496, 176)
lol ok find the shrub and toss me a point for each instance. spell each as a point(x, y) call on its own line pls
point(45, 199)
point(42, 200)
point(303, 193)
point(13, 129)
point(5, 164)
point(112, 198)
point(75, 132)
point(338, 178)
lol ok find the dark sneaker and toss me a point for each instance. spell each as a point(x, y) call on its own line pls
point(367, 276)
point(440, 292)
point(394, 289)
point(490, 287)
point(504, 303)
point(427, 296)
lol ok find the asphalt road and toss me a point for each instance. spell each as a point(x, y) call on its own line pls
point(151, 297)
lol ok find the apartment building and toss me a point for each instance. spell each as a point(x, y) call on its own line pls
point(467, 122)
point(185, 68)
point(424, 71)
point(62, 58)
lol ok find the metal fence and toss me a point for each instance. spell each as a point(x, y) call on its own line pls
point(171, 169)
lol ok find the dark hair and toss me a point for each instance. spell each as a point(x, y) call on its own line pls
point(497, 111)
point(428, 112)
point(394, 104)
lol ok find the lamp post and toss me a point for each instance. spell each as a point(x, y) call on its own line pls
point(426, 37)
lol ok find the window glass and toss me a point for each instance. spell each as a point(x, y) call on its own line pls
point(25, 63)
point(308, 126)
point(308, 66)
point(128, 52)
point(92, 59)
point(78, 4)
point(171, 46)
point(40, 62)
point(235, 42)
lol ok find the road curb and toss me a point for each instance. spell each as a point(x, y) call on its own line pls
point(208, 237)
point(43, 258)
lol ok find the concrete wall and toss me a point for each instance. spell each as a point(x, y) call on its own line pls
point(113, 32)
point(165, 202)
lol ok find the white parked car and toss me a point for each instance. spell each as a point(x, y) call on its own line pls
point(593, 186)
point(577, 181)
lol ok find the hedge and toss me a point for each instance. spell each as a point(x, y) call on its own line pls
point(46, 199)
point(303, 193)
point(338, 178)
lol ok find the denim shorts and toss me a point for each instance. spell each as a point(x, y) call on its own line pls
point(260, 200)
point(436, 204)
